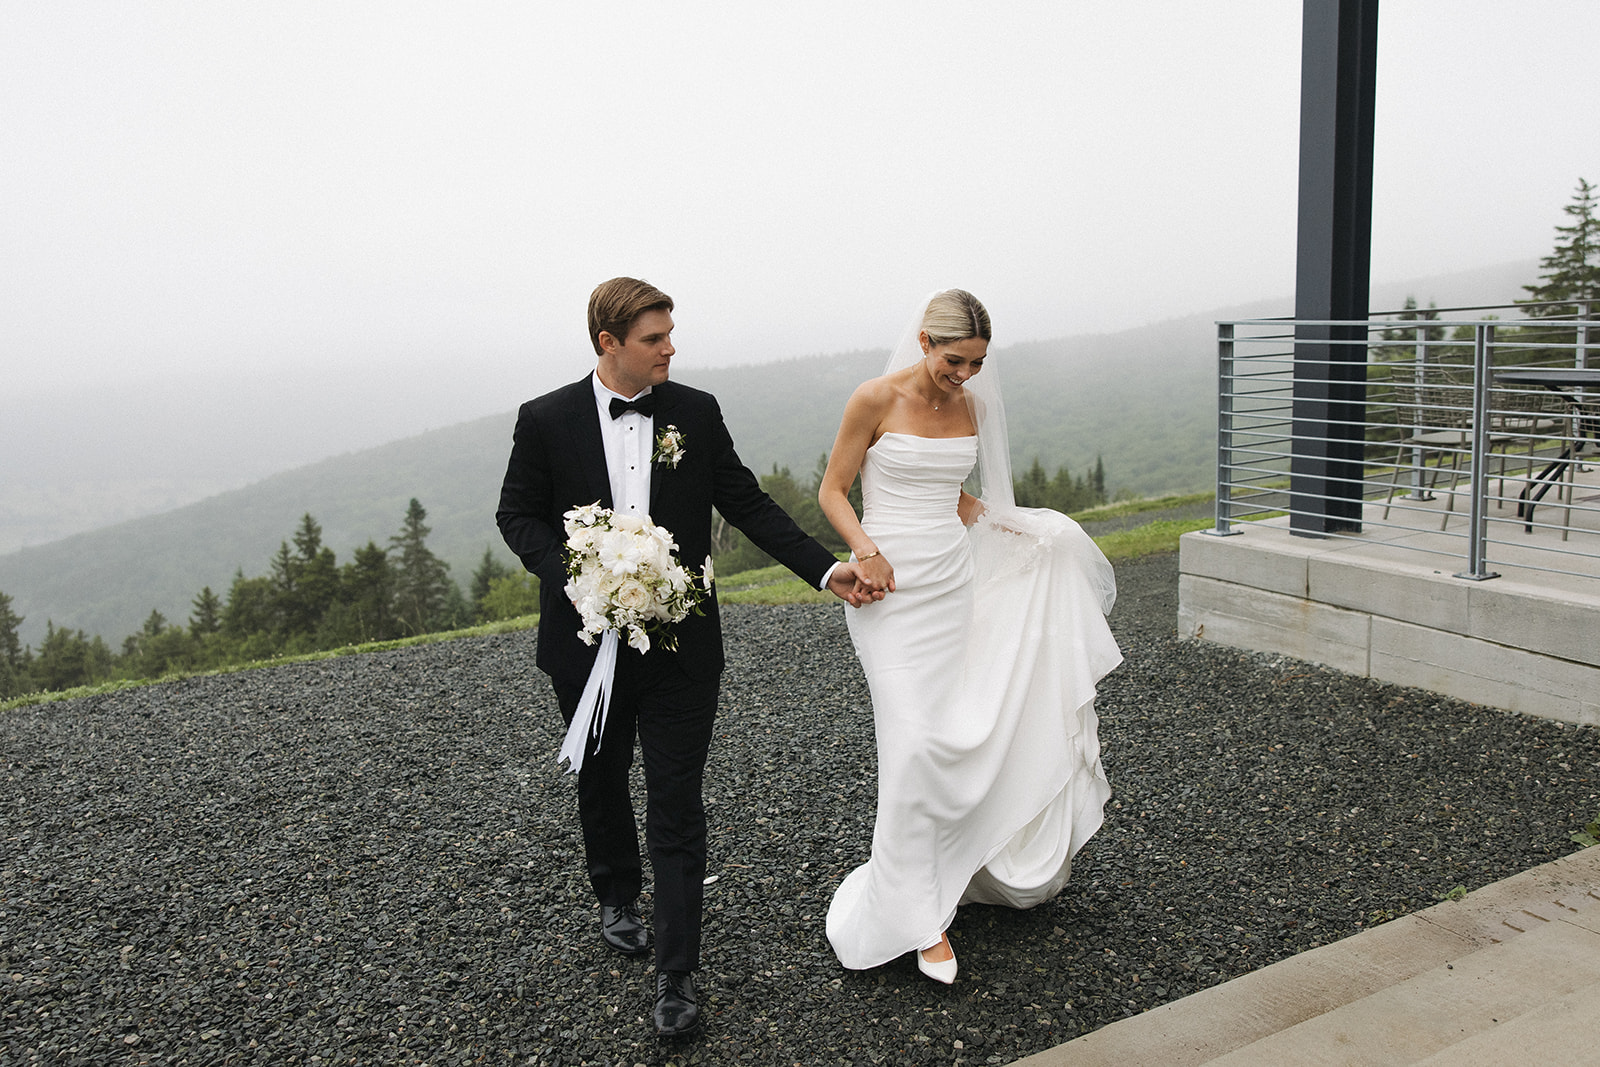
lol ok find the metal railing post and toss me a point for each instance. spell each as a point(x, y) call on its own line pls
point(1585, 315)
point(1478, 515)
point(1419, 377)
point(1225, 394)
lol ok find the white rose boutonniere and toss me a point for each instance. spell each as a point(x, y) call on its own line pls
point(669, 446)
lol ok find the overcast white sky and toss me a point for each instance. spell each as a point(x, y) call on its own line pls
point(430, 190)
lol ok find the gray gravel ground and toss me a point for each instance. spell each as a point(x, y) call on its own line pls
point(374, 860)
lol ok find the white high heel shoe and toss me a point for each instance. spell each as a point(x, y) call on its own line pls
point(939, 970)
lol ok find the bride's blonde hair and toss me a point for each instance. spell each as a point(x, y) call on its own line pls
point(955, 315)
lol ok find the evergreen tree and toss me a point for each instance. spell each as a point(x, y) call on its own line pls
point(1571, 272)
point(13, 674)
point(306, 584)
point(319, 574)
point(364, 608)
point(284, 583)
point(69, 658)
point(1402, 341)
point(157, 649)
point(368, 596)
point(308, 538)
point(1067, 493)
point(206, 619)
point(153, 625)
point(249, 622)
point(1062, 492)
point(1032, 490)
point(490, 569)
point(422, 584)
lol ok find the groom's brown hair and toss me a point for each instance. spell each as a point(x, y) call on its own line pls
point(616, 304)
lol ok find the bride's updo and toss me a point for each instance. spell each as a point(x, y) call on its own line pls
point(955, 315)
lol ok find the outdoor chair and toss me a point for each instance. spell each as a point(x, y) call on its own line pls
point(1435, 419)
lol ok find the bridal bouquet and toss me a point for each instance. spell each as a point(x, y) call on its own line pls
point(622, 576)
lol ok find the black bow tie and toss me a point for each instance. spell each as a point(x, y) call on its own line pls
point(644, 405)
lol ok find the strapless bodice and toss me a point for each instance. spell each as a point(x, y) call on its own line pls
point(904, 476)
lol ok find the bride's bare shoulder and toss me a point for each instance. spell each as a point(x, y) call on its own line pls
point(884, 388)
point(875, 393)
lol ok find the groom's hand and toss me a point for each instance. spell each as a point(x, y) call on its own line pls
point(851, 586)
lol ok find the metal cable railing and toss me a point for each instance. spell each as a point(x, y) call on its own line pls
point(1483, 431)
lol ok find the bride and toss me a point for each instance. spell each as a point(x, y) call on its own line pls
point(981, 665)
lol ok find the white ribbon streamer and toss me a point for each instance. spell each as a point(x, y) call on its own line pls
point(590, 718)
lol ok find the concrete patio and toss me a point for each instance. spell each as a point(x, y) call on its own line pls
point(1387, 604)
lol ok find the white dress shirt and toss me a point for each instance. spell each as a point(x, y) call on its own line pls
point(629, 440)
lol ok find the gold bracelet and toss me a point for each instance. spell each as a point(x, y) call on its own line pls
point(869, 555)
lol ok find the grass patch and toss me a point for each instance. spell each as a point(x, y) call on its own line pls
point(526, 622)
point(787, 590)
point(1149, 539)
point(1137, 507)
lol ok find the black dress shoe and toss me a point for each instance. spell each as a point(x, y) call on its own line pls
point(621, 929)
point(677, 1013)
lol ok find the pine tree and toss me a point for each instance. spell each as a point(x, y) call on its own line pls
point(490, 569)
point(1571, 272)
point(368, 596)
point(207, 615)
point(13, 676)
point(306, 582)
point(284, 579)
point(308, 537)
point(422, 583)
point(1403, 340)
point(1032, 490)
point(157, 649)
point(154, 624)
point(69, 658)
point(250, 619)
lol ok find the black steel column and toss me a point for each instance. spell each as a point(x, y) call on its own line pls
point(1338, 66)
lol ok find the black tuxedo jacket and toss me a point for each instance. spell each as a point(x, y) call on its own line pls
point(558, 463)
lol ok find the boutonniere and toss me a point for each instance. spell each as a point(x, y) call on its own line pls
point(669, 446)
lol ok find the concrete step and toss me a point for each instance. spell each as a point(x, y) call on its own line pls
point(1427, 1016)
point(1560, 1032)
point(1560, 900)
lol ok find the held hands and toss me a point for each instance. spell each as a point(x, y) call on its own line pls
point(875, 572)
point(848, 583)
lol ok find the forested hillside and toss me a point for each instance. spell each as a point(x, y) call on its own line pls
point(1140, 401)
point(1066, 401)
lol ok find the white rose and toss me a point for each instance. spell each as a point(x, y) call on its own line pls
point(634, 596)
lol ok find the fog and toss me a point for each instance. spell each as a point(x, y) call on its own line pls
point(239, 237)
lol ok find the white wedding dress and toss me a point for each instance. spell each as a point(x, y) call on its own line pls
point(982, 667)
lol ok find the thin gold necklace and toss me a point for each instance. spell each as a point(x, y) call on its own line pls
point(930, 378)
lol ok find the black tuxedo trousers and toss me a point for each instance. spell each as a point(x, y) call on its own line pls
point(672, 715)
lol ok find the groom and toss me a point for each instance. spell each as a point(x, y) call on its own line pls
point(600, 439)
